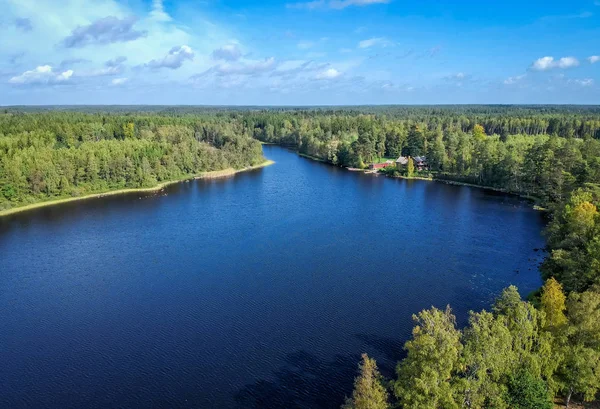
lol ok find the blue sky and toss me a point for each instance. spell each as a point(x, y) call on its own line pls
point(298, 52)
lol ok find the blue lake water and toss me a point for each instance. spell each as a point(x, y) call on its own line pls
point(258, 291)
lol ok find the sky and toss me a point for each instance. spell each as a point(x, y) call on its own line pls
point(299, 52)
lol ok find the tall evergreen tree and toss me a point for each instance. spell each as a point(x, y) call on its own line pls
point(369, 392)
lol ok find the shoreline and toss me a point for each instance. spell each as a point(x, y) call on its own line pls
point(304, 155)
point(535, 200)
point(213, 174)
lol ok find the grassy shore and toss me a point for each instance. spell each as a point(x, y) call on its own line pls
point(216, 174)
point(304, 155)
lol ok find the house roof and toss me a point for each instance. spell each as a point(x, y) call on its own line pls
point(402, 160)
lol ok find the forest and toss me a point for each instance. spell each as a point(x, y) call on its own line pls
point(49, 155)
point(521, 354)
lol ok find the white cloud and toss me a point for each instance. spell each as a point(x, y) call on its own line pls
point(114, 66)
point(328, 74)
point(548, 63)
point(42, 75)
point(229, 52)
point(586, 82)
point(567, 62)
point(542, 64)
point(334, 4)
point(557, 18)
point(119, 81)
point(158, 11)
point(514, 80)
point(371, 42)
point(304, 45)
point(250, 67)
point(458, 79)
point(342, 4)
point(593, 59)
point(104, 31)
point(240, 74)
point(174, 59)
point(52, 24)
point(459, 76)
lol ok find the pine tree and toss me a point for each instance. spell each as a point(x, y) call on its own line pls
point(369, 393)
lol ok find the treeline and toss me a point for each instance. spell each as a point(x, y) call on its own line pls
point(537, 154)
point(514, 357)
point(68, 154)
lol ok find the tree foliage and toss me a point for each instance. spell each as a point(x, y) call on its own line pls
point(369, 392)
point(425, 376)
point(553, 304)
point(65, 154)
point(527, 391)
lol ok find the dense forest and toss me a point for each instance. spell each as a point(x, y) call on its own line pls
point(56, 154)
point(520, 355)
point(51, 155)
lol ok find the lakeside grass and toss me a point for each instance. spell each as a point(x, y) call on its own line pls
point(215, 174)
point(304, 155)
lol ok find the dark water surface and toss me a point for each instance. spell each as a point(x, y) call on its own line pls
point(258, 291)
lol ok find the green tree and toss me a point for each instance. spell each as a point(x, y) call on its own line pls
point(410, 167)
point(574, 239)
point(479, 133)
point(553, 304)
point(579, 372)
point(437, 153)
point(129, 130)
point(526, 391)
point(415, 144)
point(531, 347)
point(369, 392)
point(488, 357)
point(433, 354)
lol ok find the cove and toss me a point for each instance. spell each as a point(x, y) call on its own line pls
point(256, 291)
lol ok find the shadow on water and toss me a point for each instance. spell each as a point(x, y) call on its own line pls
point(304, 381)
point(390, 352)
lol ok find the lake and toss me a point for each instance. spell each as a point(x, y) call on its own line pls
point(258, 291)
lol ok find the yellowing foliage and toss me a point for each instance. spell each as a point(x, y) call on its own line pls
point(553, 303)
